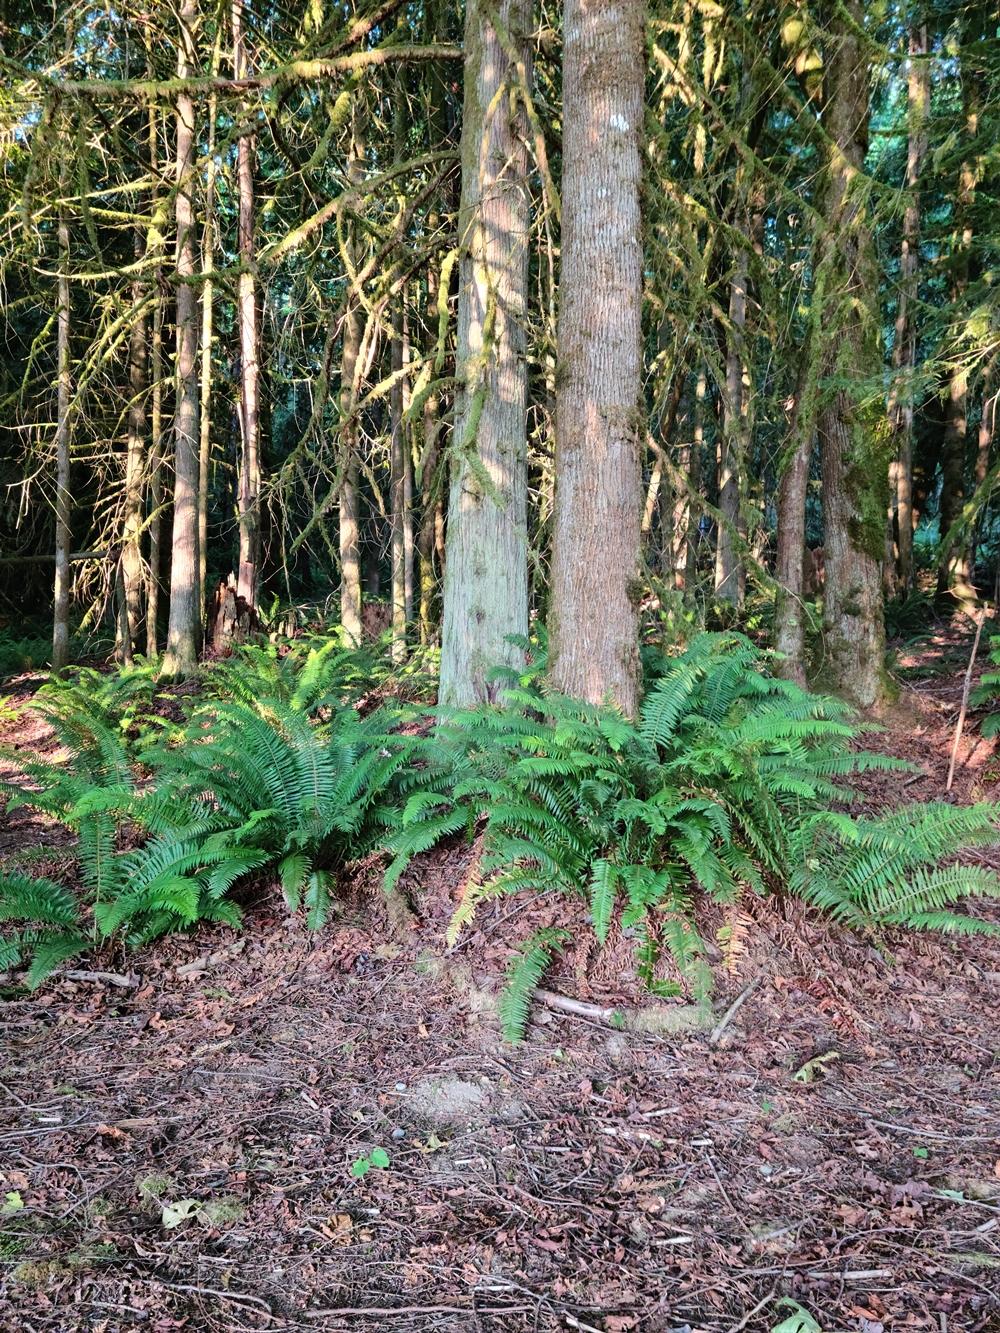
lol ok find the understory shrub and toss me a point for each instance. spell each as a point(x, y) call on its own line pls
point(728, 783)
point(731, 782)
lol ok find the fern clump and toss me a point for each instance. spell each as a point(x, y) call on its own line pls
point(168, 827)
point(719, 788)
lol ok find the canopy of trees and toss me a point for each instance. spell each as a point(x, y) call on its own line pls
point(659, 316)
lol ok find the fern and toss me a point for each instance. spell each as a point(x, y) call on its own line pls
point(524, 975)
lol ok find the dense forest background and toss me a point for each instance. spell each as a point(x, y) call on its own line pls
point(290, 306)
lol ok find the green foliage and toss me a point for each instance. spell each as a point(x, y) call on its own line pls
point(524, 974)
point(720, 788)
point(987, 691)
point(167, 828)
point(730, 782)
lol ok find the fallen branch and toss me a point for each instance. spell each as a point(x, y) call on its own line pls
point(965, 699)
point(651, 1018)
point(109, 978)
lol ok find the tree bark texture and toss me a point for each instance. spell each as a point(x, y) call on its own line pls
point(248, 569)
point(853, 430)
point(593, 618)
point(63, 440)
point(181, 657)
point(486, 572)
point(350, 531)
point(904, 350)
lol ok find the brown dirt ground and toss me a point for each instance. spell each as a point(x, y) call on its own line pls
point(586, 1180)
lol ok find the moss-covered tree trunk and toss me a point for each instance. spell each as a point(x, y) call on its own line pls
point(593, 619)
point(954, 575)
point(853, 429)
point(181, 656)
point(486, 572)
point(904, 349)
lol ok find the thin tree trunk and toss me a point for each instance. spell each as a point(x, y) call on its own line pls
point(593, 621)
point(207, 321)
point(954, 576)
point(63, 506)
point(350, 534)
point(904, 350)
point(408, 537)
point(854, 438)
point(436, 29)
point(486, 574)
point(987, 427)
point(789, 622)
point(181, 657)
point(397, 488)
point(132, 579)
point(732, 444)
point(685, 525)
point(156, 404)
point(248, 570)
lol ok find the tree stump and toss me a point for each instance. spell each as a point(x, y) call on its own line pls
point(232, 620)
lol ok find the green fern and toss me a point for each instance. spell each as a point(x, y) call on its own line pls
point(524, 975)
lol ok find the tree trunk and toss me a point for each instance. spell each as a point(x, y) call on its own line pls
point(205, 391)
point(593, 621)
point(953, 569)
point(350, 534)
point(155, 414)
point(904, 350)
point(63, 537)
point(397, 488)
point(132, 579)
point(793, 487)
point(732, 444)
point(853, 433)
point(436, 29)
point(248, 570)
point(181, 657)
point(486, 573)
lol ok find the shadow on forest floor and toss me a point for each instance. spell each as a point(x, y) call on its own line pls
point(177, 1153)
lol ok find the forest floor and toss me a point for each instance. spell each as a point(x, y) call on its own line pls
point(176, 1152)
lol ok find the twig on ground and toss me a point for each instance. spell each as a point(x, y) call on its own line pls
point(744, 995)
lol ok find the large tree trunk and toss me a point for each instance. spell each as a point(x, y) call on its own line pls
point(853, 431)
point(248, 569)
point(904, 350)
point(63, 537)
point(181, 657)
point(350, 532)
point(593, 618)
point(486, 573)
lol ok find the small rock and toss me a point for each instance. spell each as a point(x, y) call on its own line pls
point(398, 1134)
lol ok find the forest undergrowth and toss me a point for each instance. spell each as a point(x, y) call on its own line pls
point(311, 1118)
